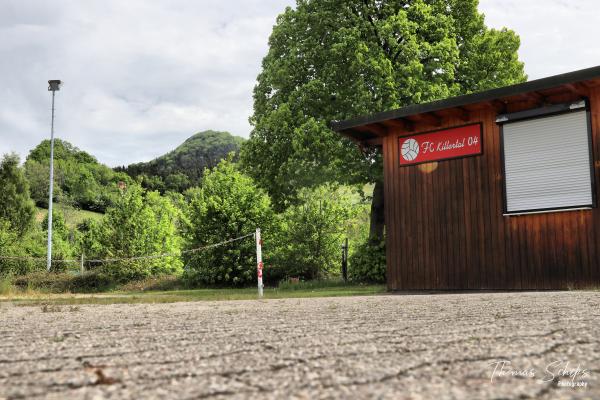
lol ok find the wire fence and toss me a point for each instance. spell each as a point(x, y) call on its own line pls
point(132, 258)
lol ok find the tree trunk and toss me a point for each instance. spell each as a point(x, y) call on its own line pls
point(377, 215)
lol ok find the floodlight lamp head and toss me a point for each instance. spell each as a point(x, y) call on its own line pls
point(54, 85)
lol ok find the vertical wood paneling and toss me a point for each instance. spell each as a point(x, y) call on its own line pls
point(437, 267)
point(417, 248)
point(447, 207)
point(496, 196)
point(445, 228)
point(412, 249)
point(482, 234)
point(585, 253)
point(573, 265)
point(390, 236)
point(515, 248)
point(595, 228)
point(518, 249)
point(399, 190)
point(546, 249)
point(556, 270)
point(529, 259)
point(400, 252)
point(445, 211)
point(468, 276)
point(428, 223)
point(460, 254)
point(559, 228)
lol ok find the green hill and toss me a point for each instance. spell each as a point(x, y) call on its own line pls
point(184, 166)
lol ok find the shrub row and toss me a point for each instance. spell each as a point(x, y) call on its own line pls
point(54, 282)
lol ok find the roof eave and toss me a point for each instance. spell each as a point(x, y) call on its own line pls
point(473, 98)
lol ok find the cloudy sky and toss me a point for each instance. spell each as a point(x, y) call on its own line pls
point(142, 76)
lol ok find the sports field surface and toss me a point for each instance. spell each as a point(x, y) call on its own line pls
point(440, 346)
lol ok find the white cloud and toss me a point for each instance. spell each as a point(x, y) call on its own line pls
point(143, 76)
point(557, 36)
point(140, 77)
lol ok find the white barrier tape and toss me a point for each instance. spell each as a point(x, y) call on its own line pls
point(110, 260)
point(36, 259)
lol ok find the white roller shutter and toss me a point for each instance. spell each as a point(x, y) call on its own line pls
point(547, 163)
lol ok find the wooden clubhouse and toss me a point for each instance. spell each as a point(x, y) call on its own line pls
point(492, 190)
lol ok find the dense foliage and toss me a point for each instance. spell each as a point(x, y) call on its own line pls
point(16, 208)
point(367, 263)
point(227, 206)
point(62, 241)
point(139, 224)
point(337, 59)
point(310, 234)
point(183, 167)
point(18, 234)
point(303, 241)
point(60, 282)
point(19, 248)
point(79, 179)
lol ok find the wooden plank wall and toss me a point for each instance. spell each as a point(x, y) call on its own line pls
point(445, 228)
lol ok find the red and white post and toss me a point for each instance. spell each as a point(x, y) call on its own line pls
point(259, 262)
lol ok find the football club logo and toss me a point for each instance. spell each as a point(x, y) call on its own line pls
point(410, 149)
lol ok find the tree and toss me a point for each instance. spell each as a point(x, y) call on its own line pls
point(367, 264)
point(228, 205)
point(18, 234)
point(177, 182)
point(63, 150)
point(312, 232)
point(62, 246)
point(38, 176)
point(139, 224)
point(24, 247)
point(337, 59)
point(16, 207)
point(79, 179)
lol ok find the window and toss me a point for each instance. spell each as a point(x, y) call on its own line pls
point(547, 159)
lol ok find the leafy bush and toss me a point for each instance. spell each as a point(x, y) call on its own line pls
point(139, 224)
point(6, 285)
point(79, 178)
point(44, 281)
point(367, 263)
point(311, 234)
point(8, 247)
point(53, 282)
point(30, 249)
point(62, 248)
point(16, 207)
point(90, 281)
point(227, 206)
point(30, 244)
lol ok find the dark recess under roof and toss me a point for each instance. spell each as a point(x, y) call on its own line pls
point(488, 95)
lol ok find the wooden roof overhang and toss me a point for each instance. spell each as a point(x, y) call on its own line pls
point(369, 130)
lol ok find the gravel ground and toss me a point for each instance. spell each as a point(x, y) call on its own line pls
point(394, 346)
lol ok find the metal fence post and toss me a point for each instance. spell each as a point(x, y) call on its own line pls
point(259, 262)
point(345, 260)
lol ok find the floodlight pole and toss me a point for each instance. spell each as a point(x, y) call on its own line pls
point(53, 86)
